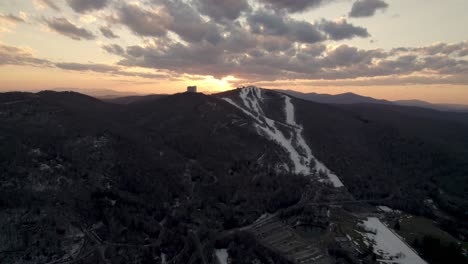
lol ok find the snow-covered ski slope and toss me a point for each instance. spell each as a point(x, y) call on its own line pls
point(388, 245)
point(251, 99)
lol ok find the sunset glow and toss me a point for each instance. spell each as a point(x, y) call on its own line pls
point(394, 50)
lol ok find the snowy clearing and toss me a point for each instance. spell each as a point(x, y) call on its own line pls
point(222, 256)
point(388, 245)
point(299, 152)
point(385, 209)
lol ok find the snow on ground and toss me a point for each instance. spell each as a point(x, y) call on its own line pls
point(388, 245)
point(319, 166)
point(222, 256)
point(385, 209)
point(251, 98)
point(299, 152)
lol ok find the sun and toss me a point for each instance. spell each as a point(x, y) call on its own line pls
point(220, 85)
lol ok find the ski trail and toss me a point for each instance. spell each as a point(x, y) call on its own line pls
point(296, 146)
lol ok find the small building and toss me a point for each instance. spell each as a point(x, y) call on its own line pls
point(191, 89)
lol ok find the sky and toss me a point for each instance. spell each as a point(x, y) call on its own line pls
point(388, 49)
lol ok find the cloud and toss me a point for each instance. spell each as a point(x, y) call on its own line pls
point(267, 23)
point(66, 28)
point(18, 56)
point(244, 39)
point(82, 6)
point(172, 16)
point(108, 69)
point(186, 22)
point(367, 8)
point(46, 3)
point(144, 22)
point(442, 49)
point(87, 67)
point(373, 81)
point(463, 52)
point(345, 55)
point(222, 9)
point(294, 6)
point(11, 18)
point(8, 22)
point(253, 62)
point(108, 33)
point(341, 29)
point(10, 55)
point(114, 49)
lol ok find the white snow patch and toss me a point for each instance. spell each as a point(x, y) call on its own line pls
point(243, 110)
point(262, 217)
point(251, 96)
point(222, 255)
point(385, 209)
point(388, 245)
point(431, 203)
point(300, 141)
point(299, 152)
point(75, 248)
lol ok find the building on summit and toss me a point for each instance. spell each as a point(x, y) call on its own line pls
point(191, 89)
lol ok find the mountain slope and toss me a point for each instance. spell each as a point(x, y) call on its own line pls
point(377, 150)
point(283, 129)
point(167, 178)
point(94, 176)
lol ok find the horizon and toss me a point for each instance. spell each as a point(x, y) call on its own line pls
point(109, 93)
point(391, 50)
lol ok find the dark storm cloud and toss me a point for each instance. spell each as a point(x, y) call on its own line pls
point(82, 6)
point(222, 9)
point(339, 30)
point(66, 28)
point(108, 33)
point(11, 18)
point(268, 23)
point(294, 5)
point(366, 8)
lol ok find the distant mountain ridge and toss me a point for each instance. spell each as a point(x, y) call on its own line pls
point(352, 98)
point(345, 98)
point(440, 107)
point(133, 99)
